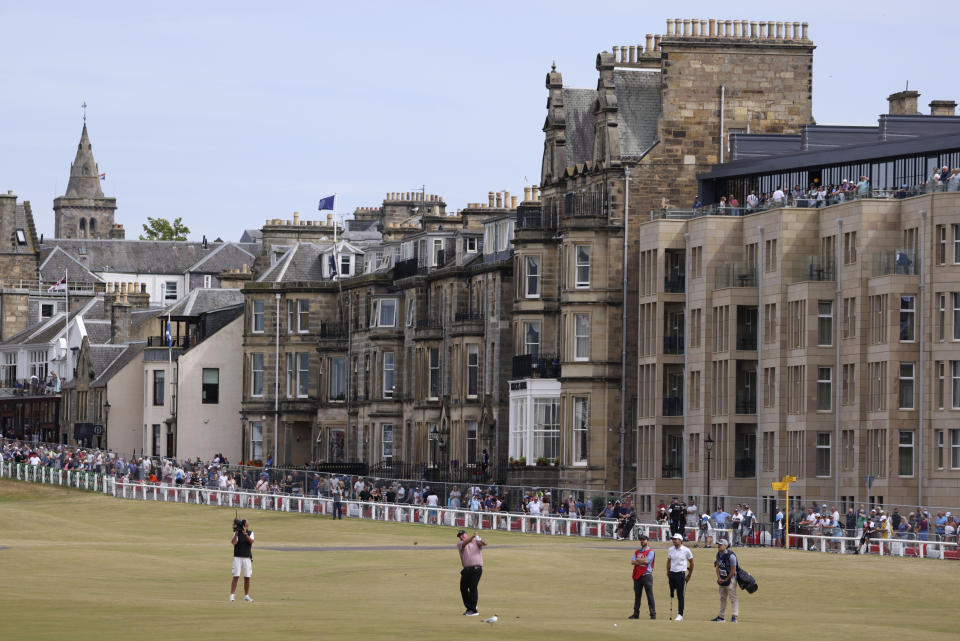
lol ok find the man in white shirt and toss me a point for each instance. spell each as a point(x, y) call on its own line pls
point(752, 201)
point(778, 196)
point(533, 507)
point(679, 571)
point(735, 522)
point(432, 501)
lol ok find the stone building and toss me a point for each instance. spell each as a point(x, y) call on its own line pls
point(817, 342)
point(660, 113)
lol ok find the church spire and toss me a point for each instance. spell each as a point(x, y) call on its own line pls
point(84, 174)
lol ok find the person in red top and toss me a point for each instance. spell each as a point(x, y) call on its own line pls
point(471, 557)
point(643, 578)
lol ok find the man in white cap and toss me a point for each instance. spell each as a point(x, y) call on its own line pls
point(679, 571)
point(726, 566)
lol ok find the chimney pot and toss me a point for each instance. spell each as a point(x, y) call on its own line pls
point(296, 218)
point(803, 27)
point(669, 26)
point(513, 202)
point(713, 26)
point(649, 42)
point(656, 42)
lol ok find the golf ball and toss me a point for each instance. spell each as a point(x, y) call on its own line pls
point(614, 625)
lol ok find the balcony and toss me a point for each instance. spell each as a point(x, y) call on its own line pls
point(536, 366)
point(177, 342)
point(745, 468)
point(673, 344)
point(674, 284)
point(746, 403)
point(406, 268)
point(735, 275)
point(902, 262)
point(673, 406)
point(817, 269)
point(333, 330)
point(585, 204)
point(535, 220)
point(468, 316)
point(747, 342)
point(429, 322)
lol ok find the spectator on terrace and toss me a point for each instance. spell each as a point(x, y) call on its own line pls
point(696, 203)
point(734, 205)
point(950, 529)
point(535, 506)
point(778, 196)
point(454, 499)
point(475, 504)
point(263, 485)
point(863, 187)
point(940, 522)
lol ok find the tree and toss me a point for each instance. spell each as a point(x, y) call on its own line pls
point(163, 229)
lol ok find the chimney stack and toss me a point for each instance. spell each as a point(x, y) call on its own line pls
point(943, 107)
point(903, 103)
point(120, 318)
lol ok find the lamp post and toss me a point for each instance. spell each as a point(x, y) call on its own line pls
point(106, 421)
point(243, 436)
point(708, 446)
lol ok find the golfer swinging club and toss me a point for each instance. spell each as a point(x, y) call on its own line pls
point(679, 571)
point(471, 556)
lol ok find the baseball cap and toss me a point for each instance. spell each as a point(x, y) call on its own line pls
point(643, 537)
point(677, 536)
point(459, 532)
point(723, 542)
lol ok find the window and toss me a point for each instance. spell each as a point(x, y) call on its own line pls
point(533, 277)
point(941, 244)
point(291, 316)
point(291, 375)
point(210, 386)
point(256, 441)
point(410, 310)
point(434, 373)
point(956, 316)
point(941, 374)
point(583, 265)
point(823, 453)
point(46, 310)
point(256, 374)
point(386, 441)
point(346, 263)
point(383, 312)
point(908, 305)
point(38, 364)
point(303, 316)
point(696, 327)
point(471, 427)
point(155, 450)
point(581, 416)
point(824, 388)
point(850, 247)
point(847, 450)
point(770, 323)
point(531, 338)
point(938, 435)
point(956, 244)
point(877, 373)
point(955, 384)
point(471, 245)
point(8, 374)
point(878, 319)
point(849, 317)
point(769, 386)
point(905, 454)
point(546, 428)
point(721, 328)
point(694, 389)
point(207, 281)
point(438, 257)
point(942, 316)
point(338, 378)
point(581, 337)
point(256, 316)
point(770, 255)
point(473, 369)
point(848, 383)
point(22, 236)
point(825, 323)
point(170, 290)
point(696, 261)
point(954, 449)
point(388, 369)
point(906, 386)
point(796, 400)
point(158, 377)
point(303, 374)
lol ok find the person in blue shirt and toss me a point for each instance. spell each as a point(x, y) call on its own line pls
point(720, 517)
point(726, 566)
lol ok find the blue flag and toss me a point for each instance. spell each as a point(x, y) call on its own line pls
point(169, 336)
point(333, 266)
point(327, 203)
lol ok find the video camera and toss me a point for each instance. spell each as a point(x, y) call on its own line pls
point(239, 524)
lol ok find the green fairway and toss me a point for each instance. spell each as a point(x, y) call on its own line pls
point(76, 566)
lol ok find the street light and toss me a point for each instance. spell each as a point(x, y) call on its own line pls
point(106, 420)
point(708, 445)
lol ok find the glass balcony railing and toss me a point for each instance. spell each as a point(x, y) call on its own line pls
point(673, 344)
point(673, 406)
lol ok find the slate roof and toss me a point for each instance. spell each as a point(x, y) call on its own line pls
point(225, 256)
point(200, 301)
point(145, 256)
point(110, 359)
point(59, 262)
point(98, 331)
point(43, 332)
point(638, 99)
point(251, 236)
point(578, 113)
point(302, 262)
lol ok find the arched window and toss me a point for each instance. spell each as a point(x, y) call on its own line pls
point(83, 228)
point(86, 170)
point(93, 228)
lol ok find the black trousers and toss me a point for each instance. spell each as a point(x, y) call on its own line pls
point(469, 579)
point(678, 584)
point(644, 583)
point(337, 510)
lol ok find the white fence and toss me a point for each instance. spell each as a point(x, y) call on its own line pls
point(399, 513)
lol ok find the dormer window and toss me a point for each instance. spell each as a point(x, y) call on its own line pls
point(21, 237)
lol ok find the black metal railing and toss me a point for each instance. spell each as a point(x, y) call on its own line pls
point(429, 322)
point(674, 284)
point(178, 342)
point(747, 342)
point(406, 268)
point(333, 330)
point(671, 472)
point(673, 406)
point(586, 204)
point(673, 344)
point(746, 404)
point(467, 316)
point(745, 468)
point(536, 366)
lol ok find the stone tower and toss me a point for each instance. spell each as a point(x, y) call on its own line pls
point(84, 212)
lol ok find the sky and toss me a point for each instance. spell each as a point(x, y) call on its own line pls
point(231, 113)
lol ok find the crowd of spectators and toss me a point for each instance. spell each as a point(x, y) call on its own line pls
point(878, 523)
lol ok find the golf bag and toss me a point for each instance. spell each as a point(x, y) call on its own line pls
point(746, 582)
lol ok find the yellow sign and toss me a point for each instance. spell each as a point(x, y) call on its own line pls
point(784, 486)
point(777, 485)
point(789, 479)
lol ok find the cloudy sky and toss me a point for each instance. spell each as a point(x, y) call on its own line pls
point(229, 113)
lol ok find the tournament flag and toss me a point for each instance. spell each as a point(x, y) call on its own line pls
point(327, 203)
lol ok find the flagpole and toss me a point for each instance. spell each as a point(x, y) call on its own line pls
point(66, 321)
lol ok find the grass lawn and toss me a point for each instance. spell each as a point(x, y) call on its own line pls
point(76, 566)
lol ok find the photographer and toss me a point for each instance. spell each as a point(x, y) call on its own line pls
point(242, 557)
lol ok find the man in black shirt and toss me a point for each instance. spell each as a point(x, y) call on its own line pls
point(676, 517)
point(242, 557)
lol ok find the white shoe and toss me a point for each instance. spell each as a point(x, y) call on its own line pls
point(232, 598)
point(679, 617)
point(247, 598)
